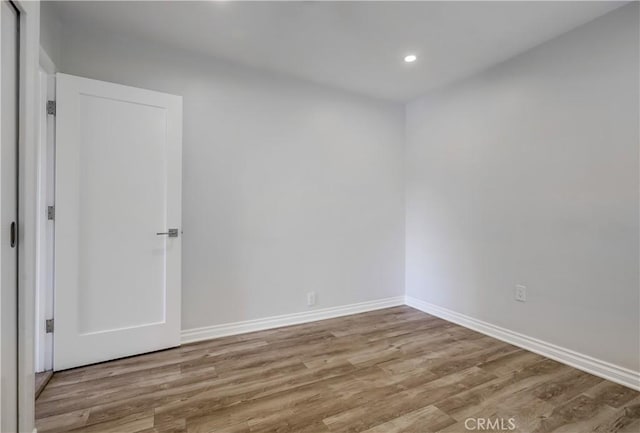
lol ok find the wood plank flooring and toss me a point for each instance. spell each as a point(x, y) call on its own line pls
point(387, 371)
point(41, 381)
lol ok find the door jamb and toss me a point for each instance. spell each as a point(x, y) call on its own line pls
point(45, 235)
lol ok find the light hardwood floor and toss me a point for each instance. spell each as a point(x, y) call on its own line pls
point(387, 371)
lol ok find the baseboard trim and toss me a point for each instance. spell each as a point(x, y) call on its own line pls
point(227, 329)
point(597, 367)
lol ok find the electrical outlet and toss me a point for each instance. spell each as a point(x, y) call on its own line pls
point(521, 293)
point(311, 299)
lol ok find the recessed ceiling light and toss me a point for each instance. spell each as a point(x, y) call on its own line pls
point(410, 58)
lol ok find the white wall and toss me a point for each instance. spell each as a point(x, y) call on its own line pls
point(288, 187)
point(50, 32)
point(528, 173)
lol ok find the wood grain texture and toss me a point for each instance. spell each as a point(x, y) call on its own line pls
point(386, 371)
point(41, 381)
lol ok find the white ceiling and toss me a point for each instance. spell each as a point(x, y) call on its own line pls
point(357, 46)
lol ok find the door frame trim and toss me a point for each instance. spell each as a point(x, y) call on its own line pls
point(27, 200)
point(13, 227)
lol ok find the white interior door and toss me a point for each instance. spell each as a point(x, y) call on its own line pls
point(9, 18)
point(118, 187)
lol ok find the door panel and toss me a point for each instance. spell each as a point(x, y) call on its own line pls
point(9, 19)
point(123, 150)
point(118, 183)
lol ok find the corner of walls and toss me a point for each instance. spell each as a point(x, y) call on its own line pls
point(405, 182)
point(46, 63)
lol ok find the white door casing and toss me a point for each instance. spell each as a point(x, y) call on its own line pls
point(118, 184)
point(9, 73)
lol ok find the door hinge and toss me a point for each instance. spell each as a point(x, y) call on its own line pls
point(48, 325)
point(51, 107)
point(51, 212)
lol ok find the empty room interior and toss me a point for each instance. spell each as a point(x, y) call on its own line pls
point(307, 217)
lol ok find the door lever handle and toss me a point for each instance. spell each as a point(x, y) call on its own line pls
point(172, 233)
point(13, 235)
